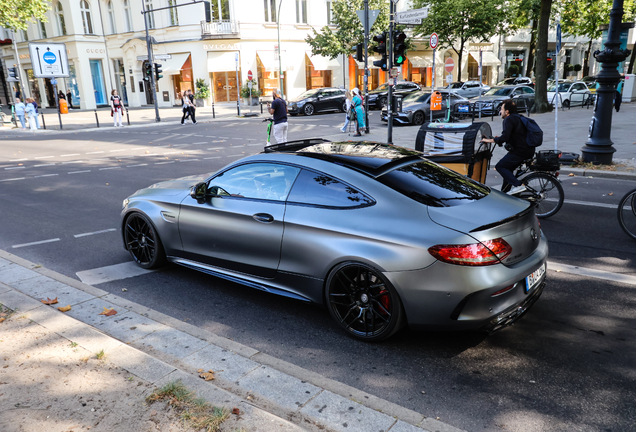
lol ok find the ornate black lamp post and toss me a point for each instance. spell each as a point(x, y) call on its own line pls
point(598, 148)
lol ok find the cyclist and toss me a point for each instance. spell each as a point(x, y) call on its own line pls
point(514, 135)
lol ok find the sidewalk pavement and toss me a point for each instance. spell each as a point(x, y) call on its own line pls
point(41, 389)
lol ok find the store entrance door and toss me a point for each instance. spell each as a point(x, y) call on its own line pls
point(225, 86)
point(50, 93)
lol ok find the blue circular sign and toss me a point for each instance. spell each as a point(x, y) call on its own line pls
point(49, 57)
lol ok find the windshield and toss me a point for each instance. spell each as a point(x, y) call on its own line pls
point(507, 81)
point(456, 85)
point(416, 97)
point(563, 87)
point(383, 87)
point(308, 93)
point(499, 91)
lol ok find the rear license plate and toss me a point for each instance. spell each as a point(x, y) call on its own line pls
point(533, 278)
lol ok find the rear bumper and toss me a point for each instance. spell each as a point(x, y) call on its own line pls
point(514, 313)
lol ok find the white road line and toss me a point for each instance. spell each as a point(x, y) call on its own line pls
point(211, 136)
point(139, 148)
point(45, 175)
point(325, 125)
point(225, 137)
point(237, 138)
point(109, 168)
point(202, 142)
point(151, 154)
point(78, 172)
point(13, 179)
point(41, 165)
point(188, 160)
point(35, 243)
point(198, 135)
point(18, 160)
point(599, 274)
point(118, 150)
point(45, 157)
point(95, 152)
point(74, 154)
point(215, 148)
point(138, 165)
point(235, 155)
point(111, 273)
point(95, 232)
point(12, 168)
point(256, 144)
point(172, 152)
point(590, 204)
point(126, 157)
point(98, 159)
point(213, 157)
point(72, 162)
point(162, 163)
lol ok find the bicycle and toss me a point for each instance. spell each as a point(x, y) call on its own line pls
point(627, 213)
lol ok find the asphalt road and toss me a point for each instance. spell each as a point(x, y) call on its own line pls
point(568, 365)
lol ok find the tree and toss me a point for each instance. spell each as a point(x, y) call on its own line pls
point(523, 13)
point(349, 30)
point(584, 18)
point(458, 22)
point(16, 14)
point(541, 104)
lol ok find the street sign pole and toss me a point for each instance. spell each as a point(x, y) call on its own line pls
point(20, 78)
point(238, 87)
point(57, 102)
point(366, 65)
point(151, 61)
point(556, 83)
point(480, 81)
point(389, 105)
point(433, 42)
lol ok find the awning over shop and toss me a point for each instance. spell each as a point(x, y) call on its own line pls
point(321, 63)
point(221, 61)
point(488, 58)
point(270, 60)
point(173, 65)
point(421, 60)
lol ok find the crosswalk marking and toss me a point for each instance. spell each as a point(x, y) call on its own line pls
point(111, 273)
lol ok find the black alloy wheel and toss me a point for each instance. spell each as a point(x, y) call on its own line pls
point(142, 242)
point(550, 193)
point(308, 109)
point(343, 108)
point(382, 102)
point(566, 103)
point(418, 118)
point(363, 302)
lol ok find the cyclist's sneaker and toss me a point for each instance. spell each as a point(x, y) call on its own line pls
point(515, 190)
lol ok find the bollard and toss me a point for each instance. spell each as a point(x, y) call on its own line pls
point(261, 103)
point(43, 122)
point(213, 113)
point(127, 117)
point(96, 118)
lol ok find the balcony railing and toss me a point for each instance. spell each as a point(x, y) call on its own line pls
point(223, 27)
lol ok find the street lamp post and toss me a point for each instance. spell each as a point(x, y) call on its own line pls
point(598, 148)
point(280, 62)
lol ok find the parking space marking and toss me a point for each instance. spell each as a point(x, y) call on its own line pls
point(78, 172)
point(95, 232)
point(35, 243)
point(598, 274)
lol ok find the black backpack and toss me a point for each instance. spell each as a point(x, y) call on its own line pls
point(534, 135)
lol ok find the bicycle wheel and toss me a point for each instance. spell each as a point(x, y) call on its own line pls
point(627, 214)
point(550, 193)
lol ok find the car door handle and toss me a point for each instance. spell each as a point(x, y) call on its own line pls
point(263, 217)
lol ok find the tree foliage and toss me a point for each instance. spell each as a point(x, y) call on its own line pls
point(16, 14)
point(349, 30)
point(458, 22)
point(584, 17)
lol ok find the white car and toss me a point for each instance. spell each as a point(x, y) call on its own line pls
point(570, 93)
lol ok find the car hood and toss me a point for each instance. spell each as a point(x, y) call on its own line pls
point(495, 216)
point(298, 100)
point(413, 105)
point(488, 98)
point(173, 187)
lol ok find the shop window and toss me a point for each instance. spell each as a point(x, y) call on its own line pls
point(111, 18)
point(150, 16)
point(127, 16)
point(221, 10)
point(174, 18)
point(270, 10)
point(61, 24)
point(316, 78)
point(301, 11)
point(86, 17)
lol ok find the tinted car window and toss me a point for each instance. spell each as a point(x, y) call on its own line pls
point(257, 180)
point(434, 185)
point(499, 91)
point(319, 189)
point(528, 90)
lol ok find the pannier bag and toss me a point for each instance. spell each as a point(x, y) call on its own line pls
point(547, 160)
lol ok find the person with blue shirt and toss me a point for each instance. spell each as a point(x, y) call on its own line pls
point(358, 110)
point(32, 111)
point(19, 112)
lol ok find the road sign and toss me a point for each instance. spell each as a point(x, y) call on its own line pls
point(433, 41)
point(558, 41)
point(249, 75)
point(415, 14)
point(236, 57)
point(449, 78)
point(395, 72)
point(373, 15)
point(49, 60)
point(53, 81)
point(395, 1)
point(449, 64)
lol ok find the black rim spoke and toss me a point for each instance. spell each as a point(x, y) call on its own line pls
point(140, 240)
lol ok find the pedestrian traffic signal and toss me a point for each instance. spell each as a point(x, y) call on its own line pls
point(158, 71)
point(399, 48)
point(360, 52)
point(383, 63)
point(13, 73)
point(147, 71)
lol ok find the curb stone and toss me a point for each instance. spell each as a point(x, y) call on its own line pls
point(276, 395)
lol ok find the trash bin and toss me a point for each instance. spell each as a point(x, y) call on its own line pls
point(397, 103)
point(457, 146)
point(63, 106)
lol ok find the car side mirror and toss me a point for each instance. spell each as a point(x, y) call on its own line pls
point(199, 191)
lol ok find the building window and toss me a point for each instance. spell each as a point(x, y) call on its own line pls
point(151, 16)
point(221, 10)
point(24, 35)
point(301, 11)
point(329, 12)
point(270, 10)
point(174, 18)
point(111, 18)
point(86, 17)
point(127, 16)
point(42, 31)
point(59, 15)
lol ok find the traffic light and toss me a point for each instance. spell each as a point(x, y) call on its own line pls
point(360, 52)
point(147, 71)
point(158, 72)
point(13, 73)
point(383, 63)
point(399, 48)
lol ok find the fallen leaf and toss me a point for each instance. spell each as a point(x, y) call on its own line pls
point(571, 175)
point(574, 184)
point(236, 411)
point(65, 308)
point(2, 319)
point(48, 301)
point(200, 370)
point(208, 376)
point(611, 193)
point(108, 312)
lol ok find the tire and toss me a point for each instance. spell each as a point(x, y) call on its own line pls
point(343, 108)
point(418, 118)
point(363, 302)
point(382, 103)
point(142, 242)
point(549, 190)
point(566, 104)
point(308, 109)
point(293, 114)
point(627, 214)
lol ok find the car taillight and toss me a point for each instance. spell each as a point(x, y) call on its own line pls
point(474, 254)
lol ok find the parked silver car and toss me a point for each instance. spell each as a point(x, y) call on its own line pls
point(416, 107)
point(468, 89)
point(377, 233)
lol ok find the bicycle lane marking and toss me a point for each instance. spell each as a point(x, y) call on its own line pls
point(589, 272)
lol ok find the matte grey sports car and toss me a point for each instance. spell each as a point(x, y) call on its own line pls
point(380, 235)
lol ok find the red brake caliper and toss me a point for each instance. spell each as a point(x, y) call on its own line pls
point(385, 299)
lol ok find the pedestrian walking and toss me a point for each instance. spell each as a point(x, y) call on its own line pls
point(20, 111)
point(60, 95)
point(515, 136)
point(278, 109)
point(186, 107)
point(30, 110)
point(358, 109)
point(116, 108)
point(37, 113)
point(618, 96)
point(18, 94)
point(348, 108)
point(193, 106)
point(69, 99)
